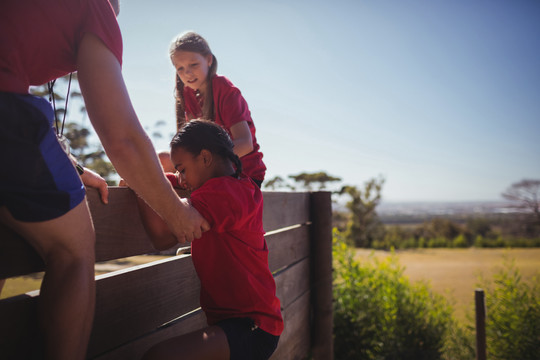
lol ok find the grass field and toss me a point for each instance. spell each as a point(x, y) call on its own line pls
point(455, 272)
point(451, 272)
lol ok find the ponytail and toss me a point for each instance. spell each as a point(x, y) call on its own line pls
point(236, 161)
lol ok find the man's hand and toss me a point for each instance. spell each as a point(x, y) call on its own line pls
point(93, 179)
point(191, 223)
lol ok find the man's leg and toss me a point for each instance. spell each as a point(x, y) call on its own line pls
point(67, 297)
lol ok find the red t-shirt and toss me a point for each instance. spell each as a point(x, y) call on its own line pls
point(231, 258)
point(40, 38)
point(230, 108)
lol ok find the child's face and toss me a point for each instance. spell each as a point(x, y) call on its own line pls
point(192, 169)
point(192, 68)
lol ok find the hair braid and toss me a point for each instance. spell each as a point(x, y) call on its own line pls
point(236, 161)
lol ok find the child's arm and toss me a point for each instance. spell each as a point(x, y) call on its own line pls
point(156, 228)
point(241, 137)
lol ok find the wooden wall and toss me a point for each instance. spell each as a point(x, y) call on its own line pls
point(139, 306)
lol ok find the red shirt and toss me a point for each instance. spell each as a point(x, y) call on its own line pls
point(231, 258)
point(40, 38)
point(230, 108)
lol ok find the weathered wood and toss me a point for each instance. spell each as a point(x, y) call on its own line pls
point(293, 283)
point(16, 255)
point(133, 304)
point(119, 231)
point(136, 301)
point(321, 272)
point(294, 343)
point(480, 311)
point(287, 247)
point(137, 347)
point(18, 326)
point(282, 209)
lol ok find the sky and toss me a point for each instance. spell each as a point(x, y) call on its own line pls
point(440, 98)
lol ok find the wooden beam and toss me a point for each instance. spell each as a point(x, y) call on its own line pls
point(283, 209)
point(321, 275)
point(138, 300)
point(287, 247)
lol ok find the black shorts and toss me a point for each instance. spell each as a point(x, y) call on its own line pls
point(38, 182)
point(246, 341)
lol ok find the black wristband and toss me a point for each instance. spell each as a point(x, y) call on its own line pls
point(80, 169)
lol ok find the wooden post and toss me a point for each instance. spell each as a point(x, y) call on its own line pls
point(480, 324)
point(321, 276)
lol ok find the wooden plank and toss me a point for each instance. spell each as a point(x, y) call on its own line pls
point(17, 257)
point(293, 282)
point(19, 327)
point(137, 347)
point(119, 231)
point(321, 276)
point(135, 301)
point(282, 209)
point(294, 343)
point(287, 247)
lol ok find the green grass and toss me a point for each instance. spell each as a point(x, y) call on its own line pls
point(455, 273)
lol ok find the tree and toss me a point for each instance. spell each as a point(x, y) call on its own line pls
point(364, 225)
point(526, 194)
point(307, 179)
point(277, 182)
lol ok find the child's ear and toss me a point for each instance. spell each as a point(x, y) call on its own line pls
point(207, 157)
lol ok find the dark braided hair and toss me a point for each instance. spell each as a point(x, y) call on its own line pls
point(196, 135)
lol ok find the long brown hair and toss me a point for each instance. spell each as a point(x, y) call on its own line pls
point(193, 42)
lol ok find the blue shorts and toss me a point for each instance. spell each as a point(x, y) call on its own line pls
point(38, 182)
point(246, 341)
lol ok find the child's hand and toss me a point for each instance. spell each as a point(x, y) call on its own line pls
point(173, 178)
point(176, 180)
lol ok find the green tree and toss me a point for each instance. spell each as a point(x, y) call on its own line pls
point(439, 228)
point(308, 179)
point(277, 182)
point(303, 180)
point(364, 225)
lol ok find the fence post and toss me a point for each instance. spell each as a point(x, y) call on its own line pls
point(480, 324)
point(322, 341)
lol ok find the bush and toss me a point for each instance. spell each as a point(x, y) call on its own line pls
point(459, 242)
point(379, 314)
point(513, 315)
